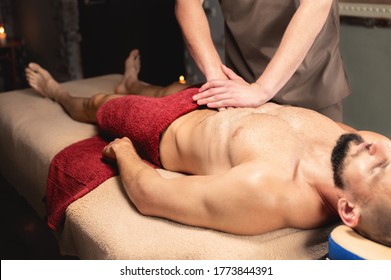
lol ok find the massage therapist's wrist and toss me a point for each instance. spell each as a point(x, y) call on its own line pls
point(215, 74)
point(263, 93)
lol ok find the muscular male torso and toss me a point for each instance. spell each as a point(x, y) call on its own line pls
point(286, 151)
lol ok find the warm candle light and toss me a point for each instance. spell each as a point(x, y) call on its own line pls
point(182, 79)
point(3, 35)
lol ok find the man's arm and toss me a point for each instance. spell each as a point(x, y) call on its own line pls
point(195, 28)
point(229, 202)
point(296, 42)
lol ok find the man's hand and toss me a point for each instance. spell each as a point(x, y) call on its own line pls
point(234, 92)
point(116, 146)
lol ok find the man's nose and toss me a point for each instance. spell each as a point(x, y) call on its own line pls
point(380, 148)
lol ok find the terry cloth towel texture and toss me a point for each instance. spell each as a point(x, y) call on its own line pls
point(80, 168)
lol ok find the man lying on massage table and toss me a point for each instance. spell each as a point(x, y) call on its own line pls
point(251, 170)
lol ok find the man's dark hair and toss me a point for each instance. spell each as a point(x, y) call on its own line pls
point(375, 222)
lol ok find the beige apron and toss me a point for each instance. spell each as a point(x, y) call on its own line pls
point(253, 31)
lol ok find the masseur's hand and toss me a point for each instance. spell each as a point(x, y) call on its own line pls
point(234, 92)
point(117, 146)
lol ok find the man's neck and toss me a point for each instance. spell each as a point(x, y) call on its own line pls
point(318, 173)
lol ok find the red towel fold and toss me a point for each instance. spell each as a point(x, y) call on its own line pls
point(74, 172)
point(143, 119)
point(79, 168)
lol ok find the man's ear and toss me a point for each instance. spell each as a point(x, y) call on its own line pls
point(349, 213)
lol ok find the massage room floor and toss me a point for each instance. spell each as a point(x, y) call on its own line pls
point(23, 235)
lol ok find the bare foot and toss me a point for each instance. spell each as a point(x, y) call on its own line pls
point(132, 68)
point(40, 80)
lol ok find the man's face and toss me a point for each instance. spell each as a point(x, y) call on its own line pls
point(365, 171)
point(366, 166)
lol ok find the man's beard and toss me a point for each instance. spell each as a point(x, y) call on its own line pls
point(339, 154)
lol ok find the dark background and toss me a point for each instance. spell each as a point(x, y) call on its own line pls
point(105, 32)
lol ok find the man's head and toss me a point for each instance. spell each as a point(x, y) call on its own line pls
point(362, 174)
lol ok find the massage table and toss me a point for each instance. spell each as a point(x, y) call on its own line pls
point(347, 244)
point(104, 224)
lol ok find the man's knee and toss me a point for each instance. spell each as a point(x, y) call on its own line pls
point(97, 100)
point(90, 107)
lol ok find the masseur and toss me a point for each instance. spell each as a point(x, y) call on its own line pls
point(286, 51)
point(251, 170)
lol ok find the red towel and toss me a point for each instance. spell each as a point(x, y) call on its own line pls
point(80, 168)
point(73, 172)
point(143, 119)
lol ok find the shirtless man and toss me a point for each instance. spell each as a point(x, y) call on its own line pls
point(251, 170)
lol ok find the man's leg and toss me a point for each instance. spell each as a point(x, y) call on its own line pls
point(79, 108)
point(130, 84)
point(85, 109)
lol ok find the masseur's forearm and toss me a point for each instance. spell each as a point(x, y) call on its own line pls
point(296, 42)
point(194, 24)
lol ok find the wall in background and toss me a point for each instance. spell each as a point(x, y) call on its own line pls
point(84, 38)
point(366, 50)
point(49, 31)
point(11, 51)
point(367, 55)
point(110, 29)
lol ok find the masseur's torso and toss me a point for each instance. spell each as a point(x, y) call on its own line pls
point(253, 32)
point(287, 147)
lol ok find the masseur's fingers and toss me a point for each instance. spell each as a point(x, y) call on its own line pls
point(215, 95)
point(230, 73)
point(224, 93)
point(225, 108)
point(217, 98)
point(217, 83)
point(227, 103)
point(209, 85)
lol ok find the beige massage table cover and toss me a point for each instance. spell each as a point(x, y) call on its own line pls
point(104, 224)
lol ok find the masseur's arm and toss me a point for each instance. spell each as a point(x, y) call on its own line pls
point(296, 42)
point(229, 202)
point(195, 28)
